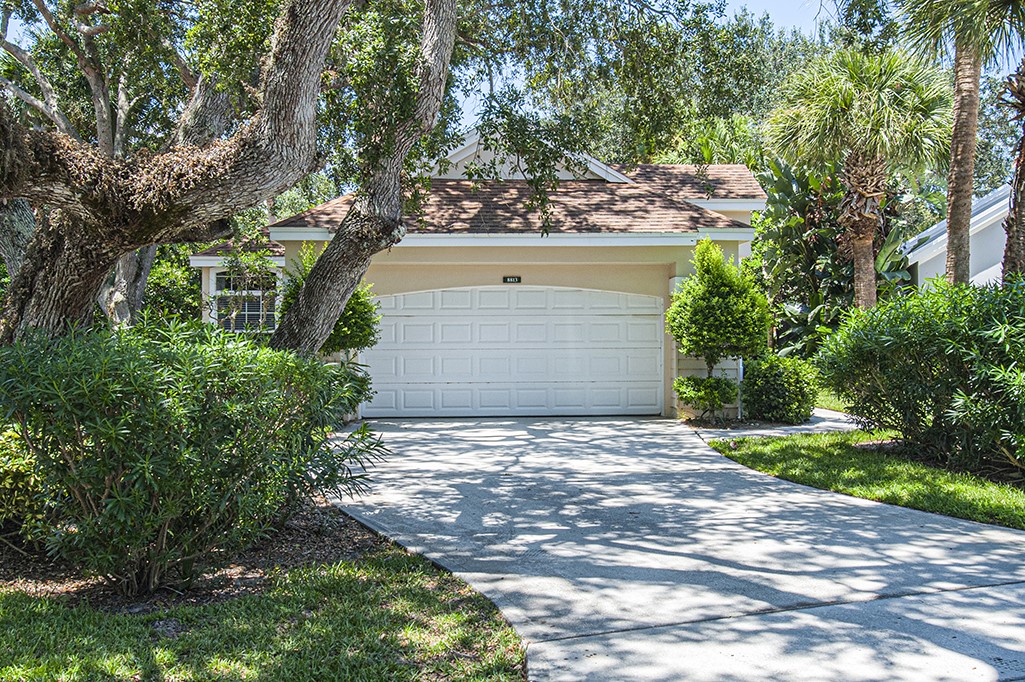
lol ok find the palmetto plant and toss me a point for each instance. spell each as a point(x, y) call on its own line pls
point(977, 33)
point(876, 115)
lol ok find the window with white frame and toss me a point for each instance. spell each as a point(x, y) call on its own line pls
point(245, 302)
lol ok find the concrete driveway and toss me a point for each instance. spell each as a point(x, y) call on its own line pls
point(626, 549)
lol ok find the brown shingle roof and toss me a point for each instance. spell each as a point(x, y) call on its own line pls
point(249, 246)
point(577, 206)
point(726, 181)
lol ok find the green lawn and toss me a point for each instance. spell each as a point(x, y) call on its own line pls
point(833, 462)
point(387, 616)
point(827, 400)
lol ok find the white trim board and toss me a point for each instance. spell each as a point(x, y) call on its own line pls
point(218, 261)
point(535, 239)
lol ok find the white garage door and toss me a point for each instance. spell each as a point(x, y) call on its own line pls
point(517, 350)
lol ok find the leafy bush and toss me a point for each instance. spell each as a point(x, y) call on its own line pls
point(942, 367)
point(19, 485)
point(779, 389)
point(356, 329)
point(158, 445)
point(173, 288)
point(716, 312)
point(806, 266)
point(707, 394)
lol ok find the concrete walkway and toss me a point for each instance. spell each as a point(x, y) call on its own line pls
point(628, 550)
point(821, 421)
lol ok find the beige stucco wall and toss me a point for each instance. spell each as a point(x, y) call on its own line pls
point(646, 270)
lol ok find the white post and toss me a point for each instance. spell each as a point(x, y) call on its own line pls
point(740, 379)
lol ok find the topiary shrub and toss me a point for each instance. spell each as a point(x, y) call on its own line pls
point(159, 446)
point(358, 326)
point(779, 389)
point(708, 395)
point(19, 485)
point(716, 313)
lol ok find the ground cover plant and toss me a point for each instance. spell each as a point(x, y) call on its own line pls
point(325, 599)
point(856, 463)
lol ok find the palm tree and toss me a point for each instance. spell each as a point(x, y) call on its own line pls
point(877, 115)
point(1014, 225)
point(979, 32)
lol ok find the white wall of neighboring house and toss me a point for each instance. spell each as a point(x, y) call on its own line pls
point(927, 252)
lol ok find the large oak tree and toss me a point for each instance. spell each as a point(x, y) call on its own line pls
point(130, 123)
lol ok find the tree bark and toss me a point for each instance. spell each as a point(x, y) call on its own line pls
point(17, 222)
point(107, 207)
point(121, 296)
point(860, 216)
point(968, 70)
point(1014, 224)
point(375, 220)
point(863, 250)
point(55, 288)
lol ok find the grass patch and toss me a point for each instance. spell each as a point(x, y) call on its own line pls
point(389, 615)
point(827, 400)
point(833, 461)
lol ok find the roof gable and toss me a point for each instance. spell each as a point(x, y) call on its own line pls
point(985, 211)
point(472, 149)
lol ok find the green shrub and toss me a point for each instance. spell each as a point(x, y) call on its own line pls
point(356, 329)
point(173, 288)
point(157, 446)
point(19, 485)
point(779, 389)
point(890, 364)
point(716, 313)
point(942, 367)
point(706, 394)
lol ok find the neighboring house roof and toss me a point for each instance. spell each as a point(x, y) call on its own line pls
point(682, 181)
point(577, 206)
point(933, 240)
point(274, 249)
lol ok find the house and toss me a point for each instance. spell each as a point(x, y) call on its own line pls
point(484, 315)
point(927, 252)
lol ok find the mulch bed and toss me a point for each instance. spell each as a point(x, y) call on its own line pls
point(320, 534)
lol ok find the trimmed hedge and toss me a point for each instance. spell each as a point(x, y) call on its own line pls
point(779, 389)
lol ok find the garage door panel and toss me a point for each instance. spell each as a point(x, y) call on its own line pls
point(517, 351)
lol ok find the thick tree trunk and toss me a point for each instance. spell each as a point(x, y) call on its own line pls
point(336, 274)
point(1014, 224)
point(17, 222)
point(107, 207)
point(374, 221)
point(56, 286)
point(968, 69)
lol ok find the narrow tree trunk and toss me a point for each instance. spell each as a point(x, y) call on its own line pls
point(968, 69)
point(1014, 224)
point(17, 222)
point(863, 249)
point(121, 295)
point(328, 286)
point(860, 216)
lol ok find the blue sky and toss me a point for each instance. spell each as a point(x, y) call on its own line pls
point(801, 14)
